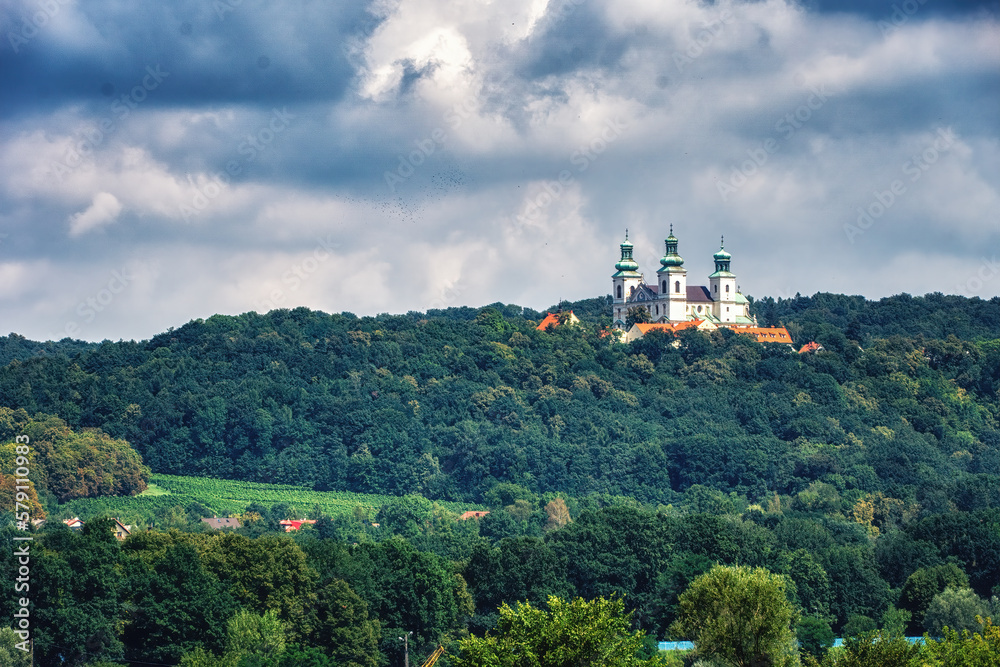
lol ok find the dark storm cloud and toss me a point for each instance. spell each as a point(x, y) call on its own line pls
point(883, 9)
point(245, 51)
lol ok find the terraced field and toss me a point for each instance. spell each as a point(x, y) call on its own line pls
point(224, 497)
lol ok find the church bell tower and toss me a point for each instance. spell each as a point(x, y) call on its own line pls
point(623, 282)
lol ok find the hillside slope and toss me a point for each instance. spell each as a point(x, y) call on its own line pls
point(450, 404)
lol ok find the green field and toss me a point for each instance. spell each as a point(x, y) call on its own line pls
point(224, 497)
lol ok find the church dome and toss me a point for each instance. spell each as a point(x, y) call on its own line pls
point(626, 263)
point(722, 254)
point(672, 260)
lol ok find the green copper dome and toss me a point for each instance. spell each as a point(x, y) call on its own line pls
point(722, 259)
point(671, 258)
point(626, 263)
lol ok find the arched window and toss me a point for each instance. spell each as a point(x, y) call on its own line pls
point(663, 289)
point(727, 289)
point(677, 286)
point(715, 288)
point(619, 291)
point(657, 310)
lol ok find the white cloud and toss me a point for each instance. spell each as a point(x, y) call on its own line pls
point(103, 211)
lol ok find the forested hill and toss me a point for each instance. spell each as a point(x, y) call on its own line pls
point(932, 316)
point(449, 403)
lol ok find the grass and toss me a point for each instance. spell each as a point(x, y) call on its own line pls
point(223, 497)
point(155, 490)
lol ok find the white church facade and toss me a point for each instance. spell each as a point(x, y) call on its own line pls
point(669, 299)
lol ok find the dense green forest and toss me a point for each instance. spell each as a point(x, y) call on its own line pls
point(449, 405)
point(867, 475)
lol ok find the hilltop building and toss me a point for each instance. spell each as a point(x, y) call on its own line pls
point(555, 319)
point(120, 529)
point(669, 299)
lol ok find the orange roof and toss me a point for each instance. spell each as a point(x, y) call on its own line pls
point(766, 334)
point(687, 325)
point(667, 326)
point(550, 318)
point(811, 346)
point(647, 326)
point(472, 514)
point(553, 319)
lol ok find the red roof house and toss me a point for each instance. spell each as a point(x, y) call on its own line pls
point(295, 524)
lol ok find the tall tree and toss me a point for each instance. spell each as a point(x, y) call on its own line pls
point(567, 634)
point(739, 616)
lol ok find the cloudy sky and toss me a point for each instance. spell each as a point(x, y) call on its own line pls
point(161, 162)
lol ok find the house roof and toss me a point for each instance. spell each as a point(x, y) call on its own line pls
point(642, 293)
point(75, 522)
point(644, 327)
point(473, 514)
point(811, 346)
point(767, 334)
point(295, 524)
point(698, 294)
point(689, 324)
point(640, 329)
point(216, 523)
point(553, 319)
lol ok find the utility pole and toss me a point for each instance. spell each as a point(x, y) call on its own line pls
point(406, 648)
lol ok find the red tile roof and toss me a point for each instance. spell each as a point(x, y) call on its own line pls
point(690, 324)
point(645, 327)
point(295, 524)
point(550, 318)
point(811, 346)
point(553, 319)
point(766, 334)
point(472, 514)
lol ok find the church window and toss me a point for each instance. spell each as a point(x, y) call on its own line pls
point(715, 288)
point(663, 287)
point(677, 286)
point(657, 310)
point(727, 289)
point(699, 309)
point(619, 291)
